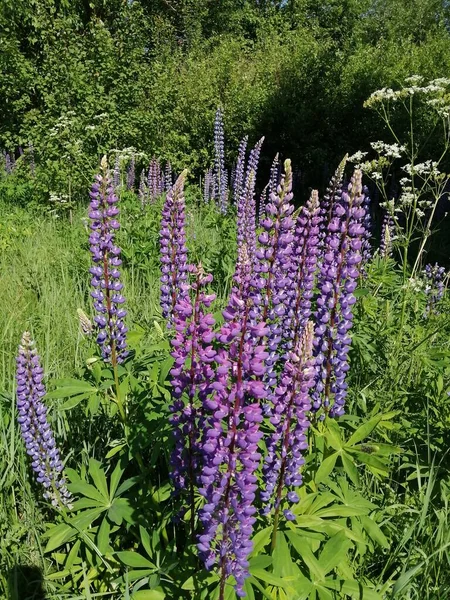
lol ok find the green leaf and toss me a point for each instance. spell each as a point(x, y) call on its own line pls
point(58, 535)
point(350, 468)
point(103, 537)
point(99, 478)
point(88, 490)
point(261, 539)
point(326, 466)
point(134, 559)
point(374, 531)
point(405, 578)
point(148, 595)
point(363, 431)
point(348, 587)
point(72, 388)
point(267, 577)
point(120, 510)
point(334, 552)
point(72, 402)
point(304, 550)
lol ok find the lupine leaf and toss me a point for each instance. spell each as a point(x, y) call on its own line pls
point(334, 551)
point(326, 467)
point(363, 431)
point(99, 478)
point(134, 559)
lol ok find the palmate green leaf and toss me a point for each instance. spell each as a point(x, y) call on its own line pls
point(58, 535)
point(334, 552)
point(74, 401)
point(134, 559)
point(374, 531)
point(326, 467)
point(267, 577)
point(363, 431)
point(88, 490)
point(260, 562)
point(348, 587)
point(103, 537)
point(99, 477)
point(304, 550)
point(333, 435)
point(281, 557)
point(193, 582)
point(121, 510)
point(350, 468)
point(85, 519)
point(72, 387)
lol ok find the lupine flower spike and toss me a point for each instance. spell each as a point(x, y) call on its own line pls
point(339, 270)
point(108, 299)
point(35, 428)
point(232, 413)
point(435, 286)
point(387, 235)
point(174, 267)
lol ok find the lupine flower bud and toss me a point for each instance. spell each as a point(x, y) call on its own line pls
point(339, 271)
point(108, 299)
point(387, 235)
point(174, 287)
point(168, 176)
point(36, 432)
point(220, 191)
point(274, 174)
point(142, 188)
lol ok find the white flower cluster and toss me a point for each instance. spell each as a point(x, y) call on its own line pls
point(357, 157)
point(436, 86)
point(388, 150)
point(425, 169)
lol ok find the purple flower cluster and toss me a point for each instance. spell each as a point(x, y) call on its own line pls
point(285, 446)
point(238, 180)
point(274, 174)
point(435, 286)
point(108, 300)
point(208, 186)
point(220, 175)
point(339, 271)
point(232, 412)
point(142, 188)
point(193, 354)
point(174, 287)
point(155, 180)
point(36, 432)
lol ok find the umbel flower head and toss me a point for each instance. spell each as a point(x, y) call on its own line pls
point(108, 299)
point(36, 432)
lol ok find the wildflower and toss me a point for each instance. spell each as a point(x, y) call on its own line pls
point(35, 428)
point(108, 299)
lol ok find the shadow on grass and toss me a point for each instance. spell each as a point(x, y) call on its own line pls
point(25, 583)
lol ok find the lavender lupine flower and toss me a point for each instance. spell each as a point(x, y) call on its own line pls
point(272, 267)
point(238, 181)
point(274, 174)
point(366, 250)
point(131, 173)
point(219, 160)
point(435, 278)
point(336, 282)
point(168, 176)
point(108, 300)
point(174, 287)
point(35, 428)
point(232, 413)
point(154, 180)
point(142, 188)
point(285, 446)
point(302, 270)
point(387, 235)
point(193, 354)
point(224, 194)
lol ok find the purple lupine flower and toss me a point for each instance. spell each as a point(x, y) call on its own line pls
point(232, 414)
point(35, 428)
point(274, 174)
point(238, 181)
point(219, 161)
point(387, 235)
point(174, 287)
point(272, 267)
point(435, 287)
point(142, 188)
point(289, 416)
point(154, 180)
point(339, 271)
point(191, 374)
point(246, 207)
point(168, 176)
point(224, 194)
point(131, 173)
point(108, 299)
point(301, 274)
point(366, 250)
